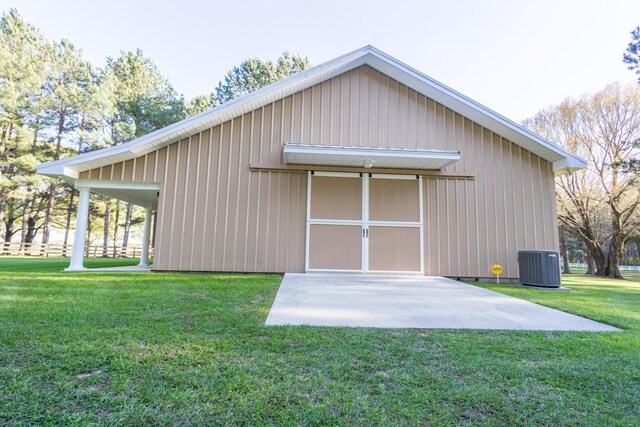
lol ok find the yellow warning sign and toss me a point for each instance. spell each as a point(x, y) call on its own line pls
point(496, 269)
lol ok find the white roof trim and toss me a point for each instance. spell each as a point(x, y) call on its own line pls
point(368, 55)
point(367, 157)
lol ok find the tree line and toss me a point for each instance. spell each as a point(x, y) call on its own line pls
point(54, 103)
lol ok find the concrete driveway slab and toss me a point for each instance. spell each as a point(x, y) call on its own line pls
point(411, 302)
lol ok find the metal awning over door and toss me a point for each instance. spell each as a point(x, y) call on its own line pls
point(390, 158)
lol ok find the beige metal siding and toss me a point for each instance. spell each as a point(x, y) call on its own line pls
point(216, 214)
point(472, 224)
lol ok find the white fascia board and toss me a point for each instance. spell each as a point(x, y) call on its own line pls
point(367, 55)
point(55, 169)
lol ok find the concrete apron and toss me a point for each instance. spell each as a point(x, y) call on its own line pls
point(358, 300)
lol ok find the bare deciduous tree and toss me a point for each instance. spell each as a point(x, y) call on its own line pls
point(600, 203)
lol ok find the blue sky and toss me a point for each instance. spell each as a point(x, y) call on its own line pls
point(515, 57)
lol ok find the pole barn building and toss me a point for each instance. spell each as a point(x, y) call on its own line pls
point(361, 164)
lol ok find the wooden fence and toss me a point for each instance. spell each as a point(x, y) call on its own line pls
point(60, 250)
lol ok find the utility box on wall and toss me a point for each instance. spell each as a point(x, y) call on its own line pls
point(539, 268)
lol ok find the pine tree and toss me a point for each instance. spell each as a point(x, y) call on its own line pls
point(254, 73)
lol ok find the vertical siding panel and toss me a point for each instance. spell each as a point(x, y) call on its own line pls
point(414, 124)
point(275, 141)
point(433, 228)
point(262, 225)
point(265, 134)
point(224, 195)
point(183, 202)
point(244, 190)
point(253, 207)
point(149, 166)
point(483, 226)
point(503, 228)
point(159, 170)
point(354, 111)
point(116, 172)
point(468, 148)
point(255, 143)
point(516, 197)
point(520, 202)
point(307, 102)
point(529, 201)
point(373, 134)
point(209, 224)
point(190, 189)
point(127, 171)
point(553, 215)
point(393, 132)
point(333, 129)
point(199, 220)
point(217, 191)
point(171, 194)
point(426, 234)
point(281, 220)
point(507, 208)
point(238, 189)
point(440, 140)
point(325, 115)
point(204, 249)
point(383, 113)
point(317, 114)
point(472, 218)
point(297, 120)
point(286, 123)
point(344, 111)
point(454, 228)
point(270, 252)
point(443, 226)
point(541, 205)
point(461, 244)
point(494, 191)
point(164, 215)
point(421, 119)
point(432, 125)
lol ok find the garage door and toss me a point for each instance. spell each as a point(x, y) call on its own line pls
point(364, 223)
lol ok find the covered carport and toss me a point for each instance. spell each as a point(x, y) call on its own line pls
point(143, 194)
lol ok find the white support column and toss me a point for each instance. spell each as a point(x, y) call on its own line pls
point(82, 217)
point(146, 235)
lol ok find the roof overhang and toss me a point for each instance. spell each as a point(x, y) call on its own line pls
point(568, 165)
point(563, 160)
point(366, 157)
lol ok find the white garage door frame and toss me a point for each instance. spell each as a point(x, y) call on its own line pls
point(365, 222)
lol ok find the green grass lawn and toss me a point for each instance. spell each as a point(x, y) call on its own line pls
point(180, 349)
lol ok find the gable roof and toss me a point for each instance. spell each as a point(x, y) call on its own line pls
point(563, 160)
